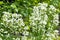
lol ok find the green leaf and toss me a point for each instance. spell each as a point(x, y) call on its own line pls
point(13, 6)
point(1, 2)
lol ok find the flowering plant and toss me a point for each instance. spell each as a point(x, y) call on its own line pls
point(13, 25)
point(43, 21)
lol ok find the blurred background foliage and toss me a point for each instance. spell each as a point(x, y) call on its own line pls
point(24, 7)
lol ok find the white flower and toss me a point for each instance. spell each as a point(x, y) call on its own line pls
point(56, 22)
point(56, 16)
point(43, 22)
point(8, 21)
point(52, 8)
point(36, 10)
point(48, 34)
point(45, 17)
point(17, 38)
point(14, 15)
point(6, 32)
point(1, 23)
point(13, 38)
point(24, 38)
point(53, 35)
point(1, 30)
point(45, 4)
point(26, 33)
point(26, 27)
point(56, 31)
point(43, 8)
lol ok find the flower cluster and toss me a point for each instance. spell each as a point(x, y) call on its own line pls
point(14, 24)
point(12, 20)
point(44, 20)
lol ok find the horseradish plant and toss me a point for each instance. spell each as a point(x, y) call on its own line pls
point(43, 21)
point(13, 26)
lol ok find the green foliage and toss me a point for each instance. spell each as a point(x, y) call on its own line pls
point(35, 22)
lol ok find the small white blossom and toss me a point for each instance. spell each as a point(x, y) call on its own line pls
point(56, 31)
point(26, 33)
point(1, 30)
point(26, 27)
point(17, 38)
point(52, 8)
point(6, 32)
